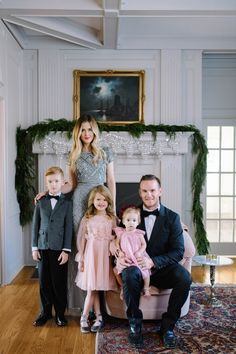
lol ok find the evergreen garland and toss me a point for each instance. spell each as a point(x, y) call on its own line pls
point(26, 166)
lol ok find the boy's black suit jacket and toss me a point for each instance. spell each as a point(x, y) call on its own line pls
point(52, 228)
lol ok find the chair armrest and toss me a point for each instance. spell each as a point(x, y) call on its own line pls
point(187, 263)
point(189, 248)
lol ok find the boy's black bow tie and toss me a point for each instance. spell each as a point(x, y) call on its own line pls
point(151, 212)
point(53, 196)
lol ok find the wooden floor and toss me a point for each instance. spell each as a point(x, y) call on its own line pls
point(19, 307)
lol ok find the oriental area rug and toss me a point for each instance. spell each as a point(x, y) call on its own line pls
point(205, 329)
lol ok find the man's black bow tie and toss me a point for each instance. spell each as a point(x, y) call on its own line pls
point(53, 196)
point(146, 213)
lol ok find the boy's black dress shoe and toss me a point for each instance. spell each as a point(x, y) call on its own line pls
point(42, 319)
point(169, 339)
point(60, 320)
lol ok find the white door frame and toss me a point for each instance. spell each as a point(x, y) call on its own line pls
point(221, 248)
point(2, 190)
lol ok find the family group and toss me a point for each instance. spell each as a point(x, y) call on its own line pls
point(83, 248)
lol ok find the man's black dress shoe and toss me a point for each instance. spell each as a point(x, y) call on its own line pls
point(42, 319)
point(60, 320)
point(135, 336)
point(169, 339)
point(136, 339)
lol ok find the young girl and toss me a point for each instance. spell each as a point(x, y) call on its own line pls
point(130, 243)
point(93, 239)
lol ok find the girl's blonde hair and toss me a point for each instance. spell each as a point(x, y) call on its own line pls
point(104, 191)
point(77, 144)
point(131, 210)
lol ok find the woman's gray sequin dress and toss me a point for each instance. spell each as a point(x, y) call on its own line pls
point(89, 175)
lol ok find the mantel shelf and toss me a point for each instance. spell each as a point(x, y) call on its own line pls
point(122, 143)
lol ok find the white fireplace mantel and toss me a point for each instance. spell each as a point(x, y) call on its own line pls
point(122, 143)
point(133, 158)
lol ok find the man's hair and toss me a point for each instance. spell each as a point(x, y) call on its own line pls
point(150, 178)
point(53, 171)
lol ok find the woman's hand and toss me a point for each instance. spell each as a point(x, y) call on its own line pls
point(39, 196)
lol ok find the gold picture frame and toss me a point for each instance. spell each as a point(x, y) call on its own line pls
point(112, 97)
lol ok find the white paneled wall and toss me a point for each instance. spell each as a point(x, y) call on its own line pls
point(47, 90)
point(11, 98)
point(30, 87)
point(171, 87)
point(219, 86)
point(168, 74)
point(36, 85)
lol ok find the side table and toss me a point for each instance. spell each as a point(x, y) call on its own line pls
point(213, 262)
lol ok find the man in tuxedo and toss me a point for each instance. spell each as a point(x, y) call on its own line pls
point(165, 246)
point(51, 244)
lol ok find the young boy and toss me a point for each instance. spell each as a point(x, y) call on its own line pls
point(51, 243)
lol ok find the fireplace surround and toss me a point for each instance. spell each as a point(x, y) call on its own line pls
point(133, 157)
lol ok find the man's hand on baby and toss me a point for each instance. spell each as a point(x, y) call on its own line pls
point(124, 261)
point(145, 263)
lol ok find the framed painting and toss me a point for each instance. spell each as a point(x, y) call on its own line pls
point(112, 97)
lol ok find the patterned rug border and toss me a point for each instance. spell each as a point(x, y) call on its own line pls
point(217, 285)
point(197, 332)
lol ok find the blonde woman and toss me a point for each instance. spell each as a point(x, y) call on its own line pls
point(89, 166)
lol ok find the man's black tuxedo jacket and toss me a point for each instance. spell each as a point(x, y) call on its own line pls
point(166, 243)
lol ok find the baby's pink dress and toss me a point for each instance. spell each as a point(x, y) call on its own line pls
point(98, 273)
point(130, 243)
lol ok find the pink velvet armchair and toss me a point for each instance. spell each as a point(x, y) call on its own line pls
point(154, 306)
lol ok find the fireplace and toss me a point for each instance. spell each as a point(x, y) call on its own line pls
point(126, 194)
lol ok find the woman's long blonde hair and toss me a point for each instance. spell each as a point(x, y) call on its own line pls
point(77, 144)
point(104, 191)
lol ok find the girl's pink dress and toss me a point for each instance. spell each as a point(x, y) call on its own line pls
point(130, 243)
point(98, 273)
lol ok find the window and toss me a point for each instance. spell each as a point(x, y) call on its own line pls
point(221, 184)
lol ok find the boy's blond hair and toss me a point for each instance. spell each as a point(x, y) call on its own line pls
point(53, 171)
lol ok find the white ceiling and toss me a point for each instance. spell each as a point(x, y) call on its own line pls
point(122, 24)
